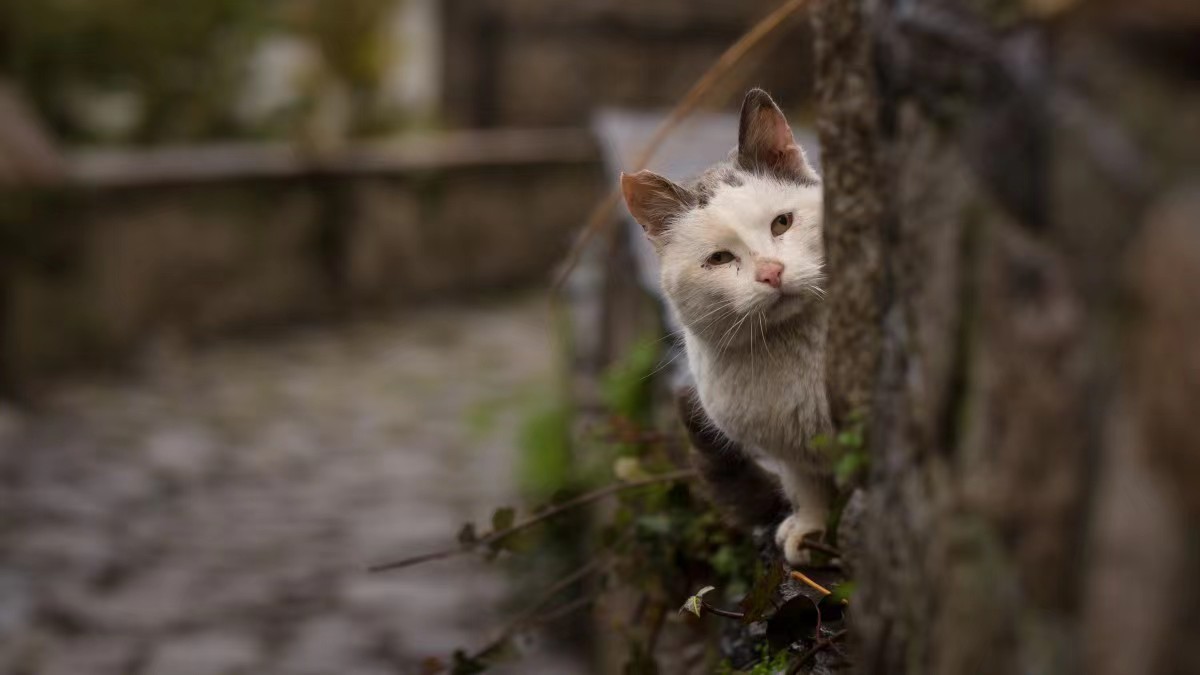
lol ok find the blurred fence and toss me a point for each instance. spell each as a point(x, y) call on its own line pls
point(195, 242)
point(548, 63)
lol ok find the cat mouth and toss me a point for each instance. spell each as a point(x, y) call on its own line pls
point(776, 302)
point(785, 304)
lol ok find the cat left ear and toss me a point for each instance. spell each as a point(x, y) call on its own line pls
point(766, 144)
point(654, 201)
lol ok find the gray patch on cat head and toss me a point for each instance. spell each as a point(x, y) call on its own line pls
point(712, 180)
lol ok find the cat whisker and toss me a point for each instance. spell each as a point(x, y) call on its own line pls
point(752, 348)
point(732, 333)
point(762, 319)
point(716, 309)
point(730, 311)
point(670, 335)
point(657, 370)
point(721, 341)
point(676, 333)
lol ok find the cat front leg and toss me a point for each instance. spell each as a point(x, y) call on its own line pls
point(810, 492)
point(740, 488)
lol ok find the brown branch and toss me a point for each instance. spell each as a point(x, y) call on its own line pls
point(562, 610)
point(534, 615)
point(800, 576)
point(530, 615)
point(821, 546)
point(495, 537)
point(600, 213)
point(817, 647)
point(721, 612)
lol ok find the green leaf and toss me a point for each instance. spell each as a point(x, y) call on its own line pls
point(629, 469)
point(518, 542)
point(625, 386)
point(842, 592)
point(725, 561)
point(768, 663)
point(851, 438)
point(545, 441)
point(503, 519)
point(655, 523)
point(848, 466)
point(695, 604)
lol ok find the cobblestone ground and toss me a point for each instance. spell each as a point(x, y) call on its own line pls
point(213, 514)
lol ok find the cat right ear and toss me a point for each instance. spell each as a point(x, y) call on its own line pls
point(766, 144)
point(654, 201)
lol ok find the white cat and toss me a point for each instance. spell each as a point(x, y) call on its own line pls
point(742, 254)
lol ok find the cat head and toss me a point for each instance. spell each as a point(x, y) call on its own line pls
point(745, 239)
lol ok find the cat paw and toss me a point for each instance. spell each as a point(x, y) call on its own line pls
point(790, 535)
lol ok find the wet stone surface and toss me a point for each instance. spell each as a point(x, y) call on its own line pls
point(213, 511)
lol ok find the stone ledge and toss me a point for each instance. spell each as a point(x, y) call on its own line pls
point(237, 161)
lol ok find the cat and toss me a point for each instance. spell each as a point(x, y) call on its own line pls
point(742, 257)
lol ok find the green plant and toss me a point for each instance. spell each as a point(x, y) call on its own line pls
point(181, 59)
point(768, 664)
point(172, 71)
point(545, 442)
point(846, 450)
point(656, 541)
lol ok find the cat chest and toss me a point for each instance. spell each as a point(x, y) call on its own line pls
point(770, 416)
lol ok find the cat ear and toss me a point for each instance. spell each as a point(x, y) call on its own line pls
point(654, 201)
point(766, 144)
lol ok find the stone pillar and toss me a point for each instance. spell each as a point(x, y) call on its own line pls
point(1013, 232)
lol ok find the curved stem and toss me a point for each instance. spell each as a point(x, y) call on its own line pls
point(494, 537)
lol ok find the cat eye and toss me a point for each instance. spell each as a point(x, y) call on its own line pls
point(720, 258)
point(781, 224)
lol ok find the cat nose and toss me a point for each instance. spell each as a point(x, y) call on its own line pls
point(770, 273)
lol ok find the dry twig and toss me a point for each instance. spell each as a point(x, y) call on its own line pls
point(495, 537)
point(821, 546)
point(722, 612)
point(534, 614)
point(800, 576)
point(820, 645)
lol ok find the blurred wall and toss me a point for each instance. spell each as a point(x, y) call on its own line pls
point(550, 63)
point(193, 243)
point(208, 241)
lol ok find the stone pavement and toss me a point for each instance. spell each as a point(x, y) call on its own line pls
point(213, 512)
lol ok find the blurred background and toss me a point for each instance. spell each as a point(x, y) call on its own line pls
point(282, 298)
point(274, 307)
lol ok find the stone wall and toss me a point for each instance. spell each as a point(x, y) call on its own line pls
point(1011, 209)
point(147, 245)
point(531, 63)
